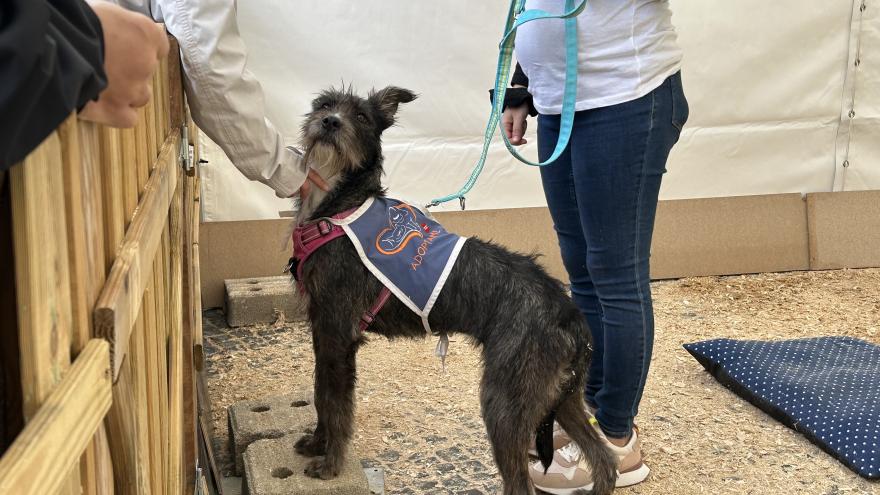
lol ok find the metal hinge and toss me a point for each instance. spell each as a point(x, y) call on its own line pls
point(186, 151)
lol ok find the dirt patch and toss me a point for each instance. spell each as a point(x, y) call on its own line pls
point(423, 425)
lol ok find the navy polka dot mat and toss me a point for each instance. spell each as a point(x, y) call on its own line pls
point(826, 388)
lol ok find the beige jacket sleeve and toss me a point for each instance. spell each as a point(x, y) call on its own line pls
point(225, 99)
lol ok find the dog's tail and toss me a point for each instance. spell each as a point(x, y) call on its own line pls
point(574, 386)
point(572, 416)
point(544, 439)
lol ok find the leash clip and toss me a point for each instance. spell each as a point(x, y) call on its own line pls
point(461, 202)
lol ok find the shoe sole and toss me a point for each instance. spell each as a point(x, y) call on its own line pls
point(632, 477)
point(629, 478)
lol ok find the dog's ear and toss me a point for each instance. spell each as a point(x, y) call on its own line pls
point(387, 99)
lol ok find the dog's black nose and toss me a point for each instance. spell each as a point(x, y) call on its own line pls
point(331, 122)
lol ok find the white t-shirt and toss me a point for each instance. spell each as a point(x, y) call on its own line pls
point(626, 49)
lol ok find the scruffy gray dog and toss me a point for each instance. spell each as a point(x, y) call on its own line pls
point(535, 343)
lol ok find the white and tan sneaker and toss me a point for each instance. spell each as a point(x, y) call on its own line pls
point(570, 472)
point(560, 439)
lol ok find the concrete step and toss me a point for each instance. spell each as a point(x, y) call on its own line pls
point(272, 467)
point(270, 417)
point(257, 300)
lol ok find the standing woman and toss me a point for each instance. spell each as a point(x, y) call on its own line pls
point(602, 194)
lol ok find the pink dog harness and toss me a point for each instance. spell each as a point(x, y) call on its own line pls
point(307, 238)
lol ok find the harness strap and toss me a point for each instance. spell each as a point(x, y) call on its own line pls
point(308, 238)
point(370, 314)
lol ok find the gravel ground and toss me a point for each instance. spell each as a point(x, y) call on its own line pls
point(422, 425)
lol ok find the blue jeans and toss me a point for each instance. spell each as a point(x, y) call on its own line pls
point(602, 194)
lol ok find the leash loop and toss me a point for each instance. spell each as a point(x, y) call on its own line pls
point(516, 17)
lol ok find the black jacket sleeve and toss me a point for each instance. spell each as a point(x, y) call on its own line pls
point(51, 63)
point(515, 97)
point(519, 77)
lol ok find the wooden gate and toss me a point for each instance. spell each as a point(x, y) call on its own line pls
point(105, 237)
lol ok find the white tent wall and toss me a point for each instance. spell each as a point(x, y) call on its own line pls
point(784, 130)
point(770, 86)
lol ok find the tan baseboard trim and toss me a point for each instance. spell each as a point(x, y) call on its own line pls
point(692, 237)
point(844, 229)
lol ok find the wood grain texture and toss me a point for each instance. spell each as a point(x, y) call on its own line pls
point(112, 192)
point(78, 205)
point(38, 461)
point(176, 344)
point(120, 301)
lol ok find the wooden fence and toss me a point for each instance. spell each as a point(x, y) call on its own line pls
point(105, 238)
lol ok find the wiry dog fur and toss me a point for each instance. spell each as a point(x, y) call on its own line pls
point(535, 342)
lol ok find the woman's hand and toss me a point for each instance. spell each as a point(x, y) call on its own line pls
point(514, 122)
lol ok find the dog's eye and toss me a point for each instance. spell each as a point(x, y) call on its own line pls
point(362, 117)
point(325, 106)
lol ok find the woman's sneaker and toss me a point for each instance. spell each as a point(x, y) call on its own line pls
point(560, 439)
point(569, 471)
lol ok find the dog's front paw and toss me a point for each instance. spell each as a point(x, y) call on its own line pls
point(310, 446)
point(320, 468)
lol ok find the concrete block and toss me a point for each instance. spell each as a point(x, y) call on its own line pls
point(375, 480)
point(256, 300)
point(271, 467)
point(271, 417)
point(231, 486)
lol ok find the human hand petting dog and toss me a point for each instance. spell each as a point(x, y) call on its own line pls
point(133, 47)
point(513, 121)
point(315, 178)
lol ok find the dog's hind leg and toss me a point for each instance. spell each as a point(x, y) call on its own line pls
point(335, 375)
point(510, 418)
point(573, 418)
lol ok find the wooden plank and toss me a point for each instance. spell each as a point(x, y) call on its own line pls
point(93, 209)
point(151, 399)
point(126, 430)
point(158, 95)
point(158, 344)
point(145, 161)
point(130, 187)
point(76, 241)
point(120, 301)
point(197, 273)
point(42, 278)
point(157, 368)
point(75, 199)
point(111, 185)
point(175, 82)
point(189, 448)
point(130, 401)
point(42, 282)
point(153, 142)
point(37, 463)
point(104, 460)
point(176, 368)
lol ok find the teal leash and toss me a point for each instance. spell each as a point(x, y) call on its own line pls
point(516, 17)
